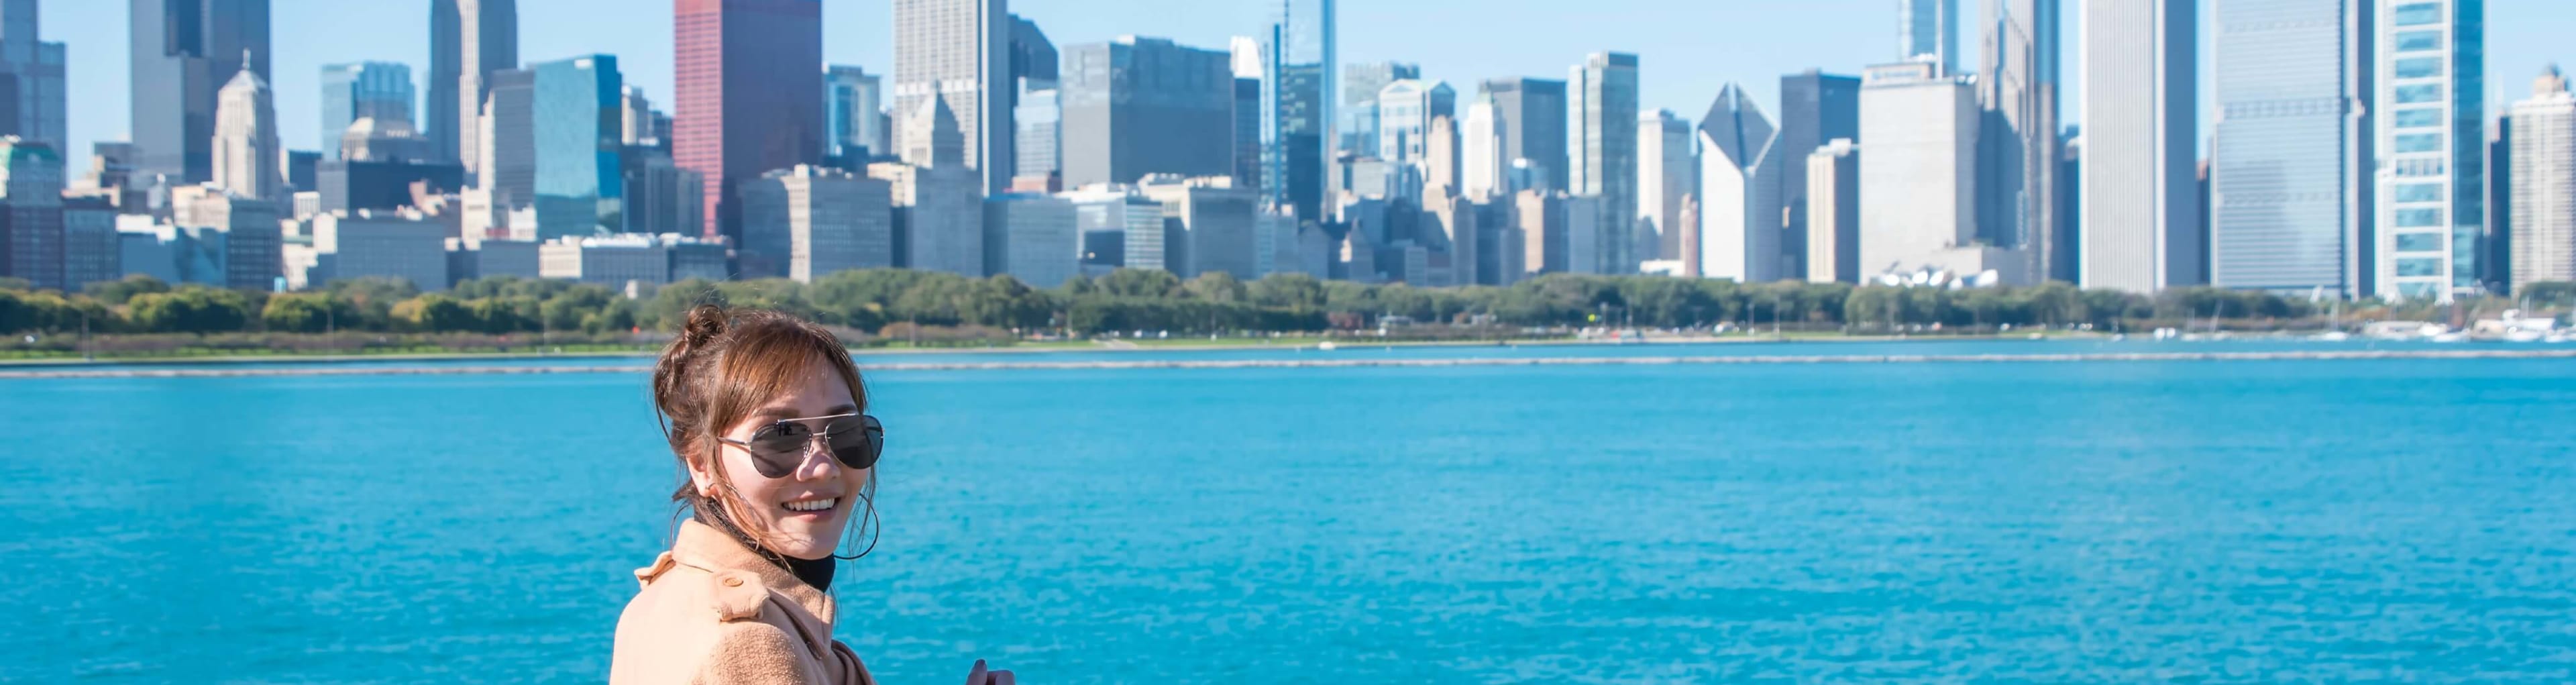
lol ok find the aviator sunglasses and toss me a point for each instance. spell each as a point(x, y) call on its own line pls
point(777, 449)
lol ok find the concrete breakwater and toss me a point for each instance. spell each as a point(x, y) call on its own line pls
point(2311, 355)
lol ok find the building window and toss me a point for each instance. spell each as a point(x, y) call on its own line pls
point(2430, 92)
point(2419, 142)
point(2419, 192)
point(2429, 266)
point(2419, 118)
point(2418, 218)
point(2419, 67)
point(2419, 14)
point(2419, 242)
point(2410, 41)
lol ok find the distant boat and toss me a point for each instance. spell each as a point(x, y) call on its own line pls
point(1326, 346)
point(2524, 336)
point(2451, 338)
point(2332, 336)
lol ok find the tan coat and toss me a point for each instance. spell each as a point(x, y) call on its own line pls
point(714, 612)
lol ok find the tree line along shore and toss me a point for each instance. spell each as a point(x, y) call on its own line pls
point(143, 317)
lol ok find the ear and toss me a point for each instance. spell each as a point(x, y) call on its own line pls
point(702, 471)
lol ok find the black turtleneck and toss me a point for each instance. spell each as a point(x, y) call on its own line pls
point(815, 572)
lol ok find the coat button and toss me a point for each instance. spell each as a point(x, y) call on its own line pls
point(733, 582)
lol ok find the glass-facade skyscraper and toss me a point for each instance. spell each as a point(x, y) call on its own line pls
point(578, 136)
point(853, 101)
point(1297, 106)
point(1604, 88)
point(1136, 106)
point(1928, 31)
point(2431, 138)
point(2290, 171)
point(1533, 127)
point(36, 67)
point(1815, 108)
point(379, 90)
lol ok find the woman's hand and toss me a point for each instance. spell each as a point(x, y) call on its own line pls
point(980, 676)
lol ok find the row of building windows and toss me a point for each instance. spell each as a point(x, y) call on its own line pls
point(2419, 14)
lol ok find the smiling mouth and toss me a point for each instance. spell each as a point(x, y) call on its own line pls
point(811, 506)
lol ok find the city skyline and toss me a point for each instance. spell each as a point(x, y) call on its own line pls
point(859, 32)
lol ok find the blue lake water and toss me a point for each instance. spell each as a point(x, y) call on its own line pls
point(2384, 520)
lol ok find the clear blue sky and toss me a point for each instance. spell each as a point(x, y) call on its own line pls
point(1687, 48)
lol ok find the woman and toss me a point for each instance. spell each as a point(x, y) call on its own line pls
point(768, 418)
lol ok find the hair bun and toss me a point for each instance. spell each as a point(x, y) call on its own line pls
point(705, 322)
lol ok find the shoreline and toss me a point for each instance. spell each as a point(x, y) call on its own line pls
point(1040, 348)
point(1362, 363)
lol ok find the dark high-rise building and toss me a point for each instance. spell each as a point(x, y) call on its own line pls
point(750, 92)
point(1247, 132)
point(31, 78)
point(184, 51)
point(1533, 113)
point(1815, 108)
point(468, 40)
point(1032, 56)
point(1138, 106)
point(1297, 106)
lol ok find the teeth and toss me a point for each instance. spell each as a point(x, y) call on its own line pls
point(813, 505)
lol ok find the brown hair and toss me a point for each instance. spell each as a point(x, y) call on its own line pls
point(723, 365)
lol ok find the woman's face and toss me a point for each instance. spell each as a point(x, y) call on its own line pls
point(803, 512)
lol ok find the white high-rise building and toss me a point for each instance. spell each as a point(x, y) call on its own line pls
point(2017, 171)
point(2140, 190)
point(958, 50)
point(1667, 171)
point(1480, 150)
point(1739, 197)
point(2430, 118)
point(246, 149)
point(1918, 177)
point(2544, 183)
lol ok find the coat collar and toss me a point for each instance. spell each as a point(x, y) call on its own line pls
point(702, 546)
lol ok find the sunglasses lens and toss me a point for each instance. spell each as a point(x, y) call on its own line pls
point(857, 441)
point(778, 450)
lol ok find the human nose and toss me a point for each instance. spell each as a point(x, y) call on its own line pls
point(817, 462)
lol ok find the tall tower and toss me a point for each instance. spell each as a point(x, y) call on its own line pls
point(1533, 127)
point(959, 51)
point(1739, 197)
point(468, 40)
point(2543, 142)
point(750, 95)
point(34, 70)
point(2290, 157)
point(1815, 108)
point(183, 50)
point(364, 90)
point(2017, 166)
point(1667, 171)
point(246, 151)
point(2429, 133)
point(1297, 106)
point(1928, 31)
point(1604, 89)
point(2141, 212)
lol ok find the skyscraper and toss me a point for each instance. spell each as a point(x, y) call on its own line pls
point(1033, 58)
point(750, 95)
point(1833, 213)
point(1039, 119)
point(1667, 171)
point(2543, 140)
point(1297, 106)
point(468, 40)
point(580, 181)
point(2017, 167)
point(1739, 196)
point(1815, 107)
point(1405, 108)
point(940, 202)
point(1137, 106)
point(1928, 31)
point(362, 90)
point(852, 102)
point(1361, 84)
point(1604, 89)
point(959, 50)
point(2430, 129)
point(1247, 130)
point(31, 213)
point(821, 220)
point(246, 155)
point(1918, 175)
point(33, 71)
point(1480, 150)
point(183, 50)
point(2140, 212)
point(2290, 161)
point(1533, 125)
